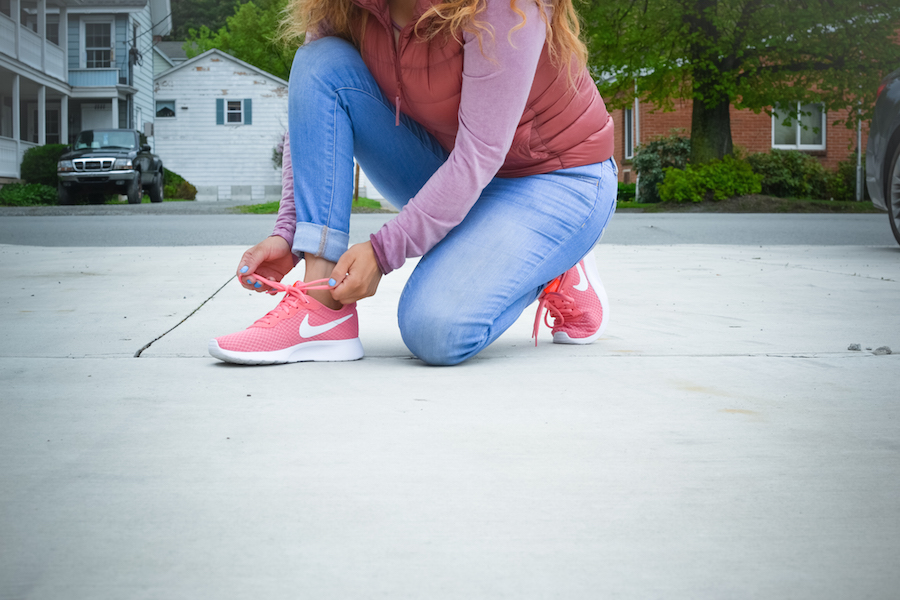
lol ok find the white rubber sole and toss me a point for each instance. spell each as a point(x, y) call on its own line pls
point(590, 271)
point(318, 351)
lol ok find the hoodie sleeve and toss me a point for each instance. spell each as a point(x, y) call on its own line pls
point(496, 81)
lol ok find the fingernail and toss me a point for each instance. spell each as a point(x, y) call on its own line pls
point(332, 282)
point(244, 269)
point(248, 281)
point(257, 285)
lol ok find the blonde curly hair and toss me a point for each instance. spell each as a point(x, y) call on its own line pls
point(345, 19)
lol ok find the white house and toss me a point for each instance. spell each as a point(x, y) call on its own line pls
point(167, 55)
point(68, 65)
point(218, 120)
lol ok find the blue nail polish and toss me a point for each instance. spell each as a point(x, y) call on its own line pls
point(248, 281)
point(244, 269)
point(257, 285)
point(332, 282)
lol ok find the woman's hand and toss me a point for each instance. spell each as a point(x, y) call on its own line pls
point(356, 273)
point(271, 258)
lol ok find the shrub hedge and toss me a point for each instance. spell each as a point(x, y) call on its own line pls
point(27, 194)
point(715, 180)
point(651, 160)
point(626, 192)
point(175, 186)
point(39, 163)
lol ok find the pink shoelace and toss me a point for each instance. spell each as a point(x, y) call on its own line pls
point(294, 294)
point(558, 305)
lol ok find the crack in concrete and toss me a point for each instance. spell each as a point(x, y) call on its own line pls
point(799, 266)
point(151, 342)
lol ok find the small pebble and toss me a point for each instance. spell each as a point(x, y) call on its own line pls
point(882, 350)
point(854, 347)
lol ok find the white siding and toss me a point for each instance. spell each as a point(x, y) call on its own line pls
point(143, 103)
point(207, 154)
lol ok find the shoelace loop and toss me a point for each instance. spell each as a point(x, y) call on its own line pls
point(557, 305)
point(293, 295)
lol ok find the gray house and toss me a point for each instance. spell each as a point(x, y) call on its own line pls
point(68, 65)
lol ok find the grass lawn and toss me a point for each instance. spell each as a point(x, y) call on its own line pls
point(756, 203)
point(268, 208)
point(146, 200)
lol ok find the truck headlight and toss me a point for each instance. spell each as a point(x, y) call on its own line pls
point(65, 166)
point(122, 163)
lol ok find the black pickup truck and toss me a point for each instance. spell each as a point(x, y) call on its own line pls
point(109, 161)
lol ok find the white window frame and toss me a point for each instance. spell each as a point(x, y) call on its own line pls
point(156, 108)
point(240, 112)
point(777, 120)
point(628, 126)
point(83, 40)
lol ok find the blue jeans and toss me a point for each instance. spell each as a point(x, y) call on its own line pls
point(468, 289)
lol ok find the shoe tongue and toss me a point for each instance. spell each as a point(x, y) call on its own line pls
point(553, 286)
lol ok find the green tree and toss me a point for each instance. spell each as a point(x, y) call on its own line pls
point(750, 54)
point(193, 14)
point(250, 34)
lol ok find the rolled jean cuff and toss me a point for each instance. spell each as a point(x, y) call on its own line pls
point(321, 241)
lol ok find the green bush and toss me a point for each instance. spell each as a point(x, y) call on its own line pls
point(790, 174)
point(27, 194)
point(651, 160)
point(176, 186)
point(626, 192)
point(715, 180)
point(841, 185)
point(39, 163)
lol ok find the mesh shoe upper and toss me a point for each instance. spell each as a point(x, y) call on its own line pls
point(578, 304)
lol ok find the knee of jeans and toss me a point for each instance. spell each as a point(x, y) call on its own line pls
point(321, 57)
point(434, 336)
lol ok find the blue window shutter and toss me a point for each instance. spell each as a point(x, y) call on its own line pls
point(220, 111)
point(248, 111)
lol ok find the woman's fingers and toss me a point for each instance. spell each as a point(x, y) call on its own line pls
point(267, 259)
point(356, 274)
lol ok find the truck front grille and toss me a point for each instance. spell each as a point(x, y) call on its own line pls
point(95, 165)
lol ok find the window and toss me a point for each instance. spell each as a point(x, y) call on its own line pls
point(629, 133)
point(234, 112)
point(52, 132)
point(28, 14)
point(98, 45)
point(805, 132)
point(6, 8)
point(52, 28)
point(165, 109)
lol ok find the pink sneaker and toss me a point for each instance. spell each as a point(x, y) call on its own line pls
point(578, 303)
point(298, 329)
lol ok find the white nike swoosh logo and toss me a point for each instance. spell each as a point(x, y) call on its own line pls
point(308, 331)
point(582, 284)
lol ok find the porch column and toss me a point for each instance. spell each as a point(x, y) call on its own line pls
point(17, 115)
point(16, 15)
point(115, 113)
point(64, 120)
point(42, 31)
point(42, 115)
point(64, 39)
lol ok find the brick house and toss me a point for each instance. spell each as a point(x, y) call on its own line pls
point(750, 131)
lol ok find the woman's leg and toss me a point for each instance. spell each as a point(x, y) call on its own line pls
point(521, 233)
point(336, 110)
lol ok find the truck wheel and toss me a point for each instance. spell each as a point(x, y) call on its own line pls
point(134, 191)
point(64, 195)
point(156, 188)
